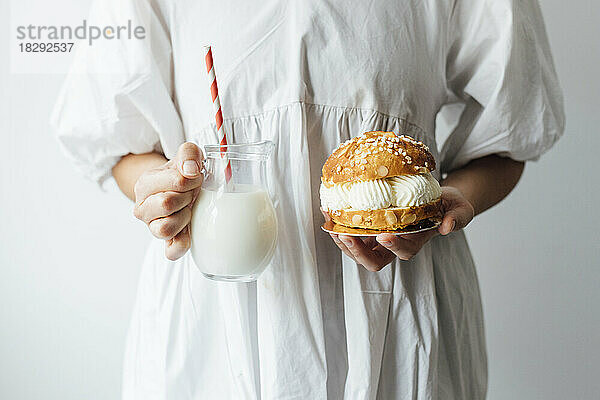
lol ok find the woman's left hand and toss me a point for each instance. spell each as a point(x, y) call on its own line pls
point(375, 253)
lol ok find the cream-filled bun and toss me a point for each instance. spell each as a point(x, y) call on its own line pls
point(380, 181)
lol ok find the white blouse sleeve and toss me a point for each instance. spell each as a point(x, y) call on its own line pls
point(117, 98)
point(500, 67)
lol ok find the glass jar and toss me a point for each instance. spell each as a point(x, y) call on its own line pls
point(234, 225)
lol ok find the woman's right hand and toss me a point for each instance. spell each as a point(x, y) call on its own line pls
point(164, 197)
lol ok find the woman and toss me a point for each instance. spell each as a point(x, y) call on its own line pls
point(319, 324)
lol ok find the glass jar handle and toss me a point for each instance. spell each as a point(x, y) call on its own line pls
point(204, 168)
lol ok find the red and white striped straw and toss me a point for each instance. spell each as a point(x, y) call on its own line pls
point(214, 90)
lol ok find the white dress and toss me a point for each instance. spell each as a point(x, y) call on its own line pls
point(309, 74)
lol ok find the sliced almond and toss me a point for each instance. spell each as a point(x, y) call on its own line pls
point(356, 219)
point(422, 170)
point(408, 219)
point(344, 151)
point(390, 217)
point(382, 170)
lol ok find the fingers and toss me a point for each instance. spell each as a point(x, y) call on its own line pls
point(181, 174)
point(457, 216)
point(162, 204)
point(175, 248)
point(376, 254)
point(341, 245)
point(403, 249)
point(189, 160)
point(458, 212)
point(370, 242)
point(448, 225)
point(164, 197)
point(168, 227)
point(164, 180)
point(371, 259)
point(407, 246)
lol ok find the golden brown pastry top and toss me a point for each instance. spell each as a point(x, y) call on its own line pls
point(376, 155)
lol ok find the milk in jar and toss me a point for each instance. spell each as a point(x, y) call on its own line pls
point(233, 233)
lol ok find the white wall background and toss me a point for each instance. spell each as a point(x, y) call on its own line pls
point(69, 254)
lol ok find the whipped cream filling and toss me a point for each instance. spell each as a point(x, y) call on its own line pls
point(397, 191)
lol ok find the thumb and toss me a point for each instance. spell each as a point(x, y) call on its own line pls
point(189, 160)
point(448, 224)
point(456, 218)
